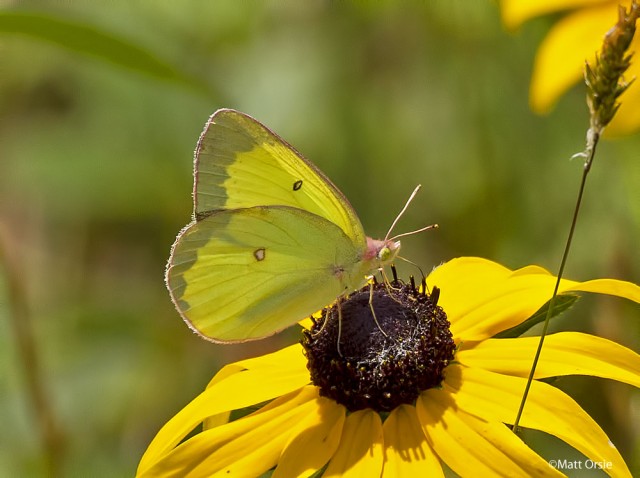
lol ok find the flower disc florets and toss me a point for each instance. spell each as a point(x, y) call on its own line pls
point(361, 363)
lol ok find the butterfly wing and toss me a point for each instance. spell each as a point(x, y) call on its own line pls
point(241, 163)
point(244, 274)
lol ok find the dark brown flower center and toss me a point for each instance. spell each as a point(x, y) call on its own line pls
point(363, 364)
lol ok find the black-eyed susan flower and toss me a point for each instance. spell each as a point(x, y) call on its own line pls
point(427, 383)
point(576, 37)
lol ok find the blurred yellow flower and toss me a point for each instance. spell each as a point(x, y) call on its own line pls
point(296, 430)
point(573, 39)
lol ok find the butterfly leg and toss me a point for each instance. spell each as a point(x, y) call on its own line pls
point(387, 282)
point(339, 326)
point(326, 320)
point(388, 286)
point(373, 312)
point(324, 324)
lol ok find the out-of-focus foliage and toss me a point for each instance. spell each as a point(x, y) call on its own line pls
point(100, 110)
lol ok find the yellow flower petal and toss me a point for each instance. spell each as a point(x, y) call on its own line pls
point(286, 359)
point(482, 298)
point(264, 378)
point(254, 442)
point(516, 12)
point(493, 396)
point(499, 306)
point(561, 57)
point(566, 353)
point(361, 447)
point(220, 418)
point(627, 119)
point(459, 280)
point(406, 451)
point(572, 41)
point(473, 447)
point(306, 323)
point(315, 443)
point(627, 290)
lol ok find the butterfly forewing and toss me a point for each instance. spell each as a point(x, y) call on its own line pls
point(241, 163)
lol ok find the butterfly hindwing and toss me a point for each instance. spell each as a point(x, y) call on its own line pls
point(243, 274)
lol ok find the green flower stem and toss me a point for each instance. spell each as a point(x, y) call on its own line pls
point(20, 318)
point(591, 148)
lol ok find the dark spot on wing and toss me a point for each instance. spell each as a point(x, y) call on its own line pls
point(297, 185)
point(259, 254)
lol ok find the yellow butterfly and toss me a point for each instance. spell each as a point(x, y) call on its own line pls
point(272, 239)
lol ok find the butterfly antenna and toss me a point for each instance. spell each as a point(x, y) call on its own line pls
point(426, 228)
point(413, 194)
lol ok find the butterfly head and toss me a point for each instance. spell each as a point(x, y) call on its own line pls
point(383, 251)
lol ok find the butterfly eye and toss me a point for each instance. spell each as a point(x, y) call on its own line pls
point(384, 254)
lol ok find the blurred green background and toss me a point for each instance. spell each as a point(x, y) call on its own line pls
point(100, 110)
